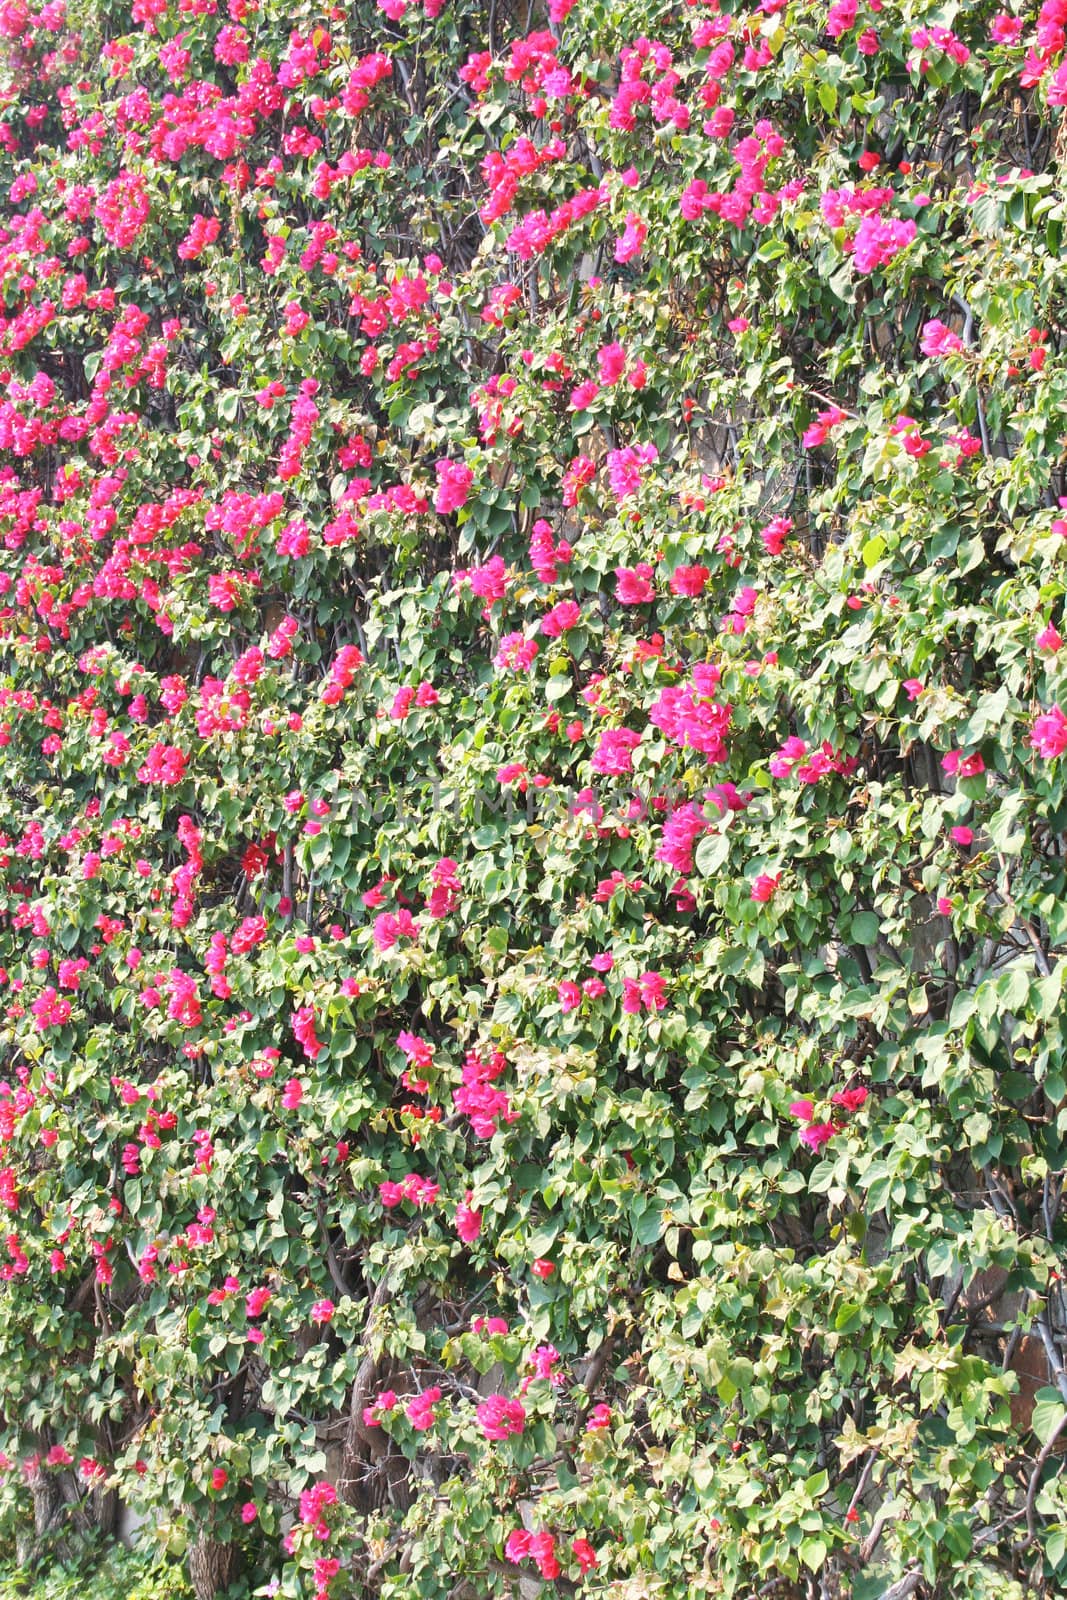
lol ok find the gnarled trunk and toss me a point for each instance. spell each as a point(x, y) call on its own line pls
point(212, 1567)
point(105, 1512)
point(46, 1501)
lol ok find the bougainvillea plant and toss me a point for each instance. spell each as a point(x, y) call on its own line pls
point(533, 907)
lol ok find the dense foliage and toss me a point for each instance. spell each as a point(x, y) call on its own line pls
point(533, 908)
point(116, 1574)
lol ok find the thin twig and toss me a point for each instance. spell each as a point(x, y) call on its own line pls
point(1035, 1477)
point(1052, 1354)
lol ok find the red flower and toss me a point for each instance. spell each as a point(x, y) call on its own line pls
point(584, 1554)
point(850, 1099)
point(689, 580)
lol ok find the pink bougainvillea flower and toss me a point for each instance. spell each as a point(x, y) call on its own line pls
point(774, 535)
point(613, 755)
point(820, 429)
point(958, 765)
point(381, 1407)
point(420, 1409)
point(517, 1545)
point(1005, 29)
point(445, 890)
point(516, 652)
point(1048, 736)
point(939, 340)
point(521, 1545)
point(611, 363)
point(629, 245)
point(499, 1417)
point(584, 395)
point(454, 479)
point(569, 995)
point(304, 1029)
point(564, 616)
point(256, 1302)
point(468, 1220)
point(879, 241)
point(633, 585)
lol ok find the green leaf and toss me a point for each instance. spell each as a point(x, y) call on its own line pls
point(711, 853)
point(822, 1177)
point(1049, 1414)
point(813, 1552)
point(649, 1226)
point(864, 928)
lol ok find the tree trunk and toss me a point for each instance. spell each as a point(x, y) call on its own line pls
point(46, 1501)
point(50, 1521)
point(105, 1511)
point(368, 1479)
point(212, 1567)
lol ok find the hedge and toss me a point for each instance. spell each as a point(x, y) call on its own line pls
point(532, 871)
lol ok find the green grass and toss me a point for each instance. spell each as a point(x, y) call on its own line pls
point(115, 1574)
